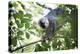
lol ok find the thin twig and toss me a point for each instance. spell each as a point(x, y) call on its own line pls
point(21, 45)
point(43, 6)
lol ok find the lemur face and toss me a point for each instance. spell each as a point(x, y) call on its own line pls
point(44, 23)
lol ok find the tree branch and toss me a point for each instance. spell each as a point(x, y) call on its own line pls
point(25, 45)
point(43, 6)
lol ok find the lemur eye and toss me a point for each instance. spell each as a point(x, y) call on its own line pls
point(42, 24)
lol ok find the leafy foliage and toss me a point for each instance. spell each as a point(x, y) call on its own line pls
point(22, 29)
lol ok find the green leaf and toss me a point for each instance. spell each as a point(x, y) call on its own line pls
point(21, 13)
point(38, 48)
point(15, 4)
point(14, 41)
point(17, 22)
point(67, 41)
point(28, 15)
point(27, 35)
point(20, 33)
point(59, 43)
point(54, 44)
point(20, 38)
point(46, 45)
point(22, 5)
point(24, 20)
point(18, 15)
point(27, 25)
point(21, 25)
point(32, 32)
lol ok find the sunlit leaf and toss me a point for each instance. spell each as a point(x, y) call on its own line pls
point(20, 38)
point(32, 32)
point(22, 5)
